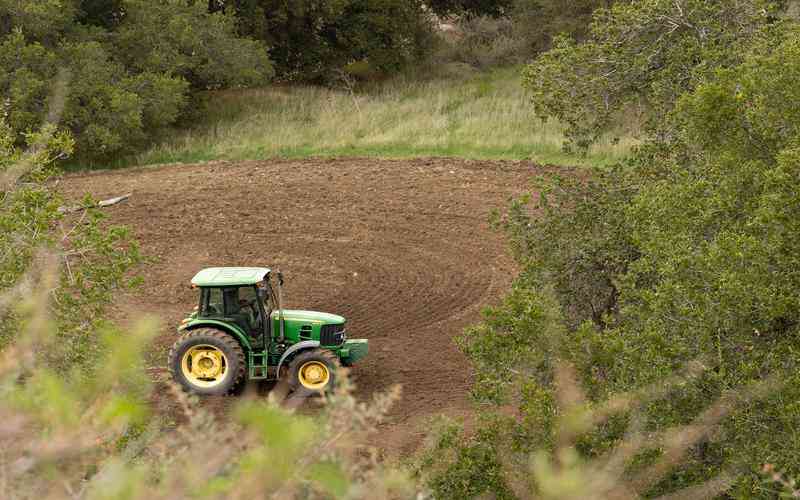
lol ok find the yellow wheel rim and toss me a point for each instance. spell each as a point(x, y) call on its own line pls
point(314, 375)
point(204, 365)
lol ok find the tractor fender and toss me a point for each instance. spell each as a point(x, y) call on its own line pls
point(300, 346)
point(237, 333)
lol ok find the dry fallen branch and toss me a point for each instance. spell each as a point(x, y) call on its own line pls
point(105, 203)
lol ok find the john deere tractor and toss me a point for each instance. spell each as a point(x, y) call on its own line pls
point(239, 330)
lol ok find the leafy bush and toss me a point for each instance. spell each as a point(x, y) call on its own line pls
point(641, 55)
point(25, 70)
point(493, 462)
point(181, 39)
point(96, 257)
point(688, 253)
point(314, 41)
point(512, 32)
point(482, 42)
point(134, 66)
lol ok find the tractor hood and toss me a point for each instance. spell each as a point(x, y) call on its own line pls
point(309, 317)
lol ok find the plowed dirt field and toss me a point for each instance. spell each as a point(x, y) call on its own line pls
point(402, 249)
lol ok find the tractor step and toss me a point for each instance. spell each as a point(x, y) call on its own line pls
point(259, 365)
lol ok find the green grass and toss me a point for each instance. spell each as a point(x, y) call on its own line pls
point(484, 116)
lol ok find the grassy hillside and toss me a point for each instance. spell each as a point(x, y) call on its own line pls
point(480, 116)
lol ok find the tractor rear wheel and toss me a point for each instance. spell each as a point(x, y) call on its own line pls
point(207, 361)
point(313, 371)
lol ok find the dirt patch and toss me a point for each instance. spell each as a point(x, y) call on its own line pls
point(402, 249)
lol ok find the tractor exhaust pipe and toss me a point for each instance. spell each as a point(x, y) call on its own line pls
point(281, 336)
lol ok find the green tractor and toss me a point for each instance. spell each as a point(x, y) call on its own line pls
point(239, 330)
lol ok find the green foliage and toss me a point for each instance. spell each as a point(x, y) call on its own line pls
point(641, 55)
point(133, 64)
point(181, 39)
point(317, 40)
point(582, 276)
point(96, 257)
point(490, 462)
point(103, 13)
point(459, 467)
point(482, 42)
point(686, 254)
point(514, 32)
point(25, 69)
point(44, 20)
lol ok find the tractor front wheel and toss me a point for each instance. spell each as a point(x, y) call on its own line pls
point(313, 371)
point(207, 361)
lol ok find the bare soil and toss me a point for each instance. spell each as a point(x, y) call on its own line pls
point(402, 249)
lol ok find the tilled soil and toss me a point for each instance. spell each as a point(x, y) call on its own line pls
point(402, 249)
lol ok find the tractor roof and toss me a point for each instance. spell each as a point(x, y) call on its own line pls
point(229, 276)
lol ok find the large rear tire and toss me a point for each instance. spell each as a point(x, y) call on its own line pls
point(313, 371)
point(207, 361)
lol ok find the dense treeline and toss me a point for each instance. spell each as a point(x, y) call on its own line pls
point(133, 65)
point(686, 255)
point(322, 40)
point(138, 64)
point(142, 64)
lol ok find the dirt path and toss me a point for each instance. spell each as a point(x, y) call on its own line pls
point(401, 248)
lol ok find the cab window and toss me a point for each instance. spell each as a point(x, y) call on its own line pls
point(247, 294)
point(211, 302)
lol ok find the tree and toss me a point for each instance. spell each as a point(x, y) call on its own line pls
point(183, 40)
point(134, 63)
point(316, 40)
point(641, 55)
point(687, 254)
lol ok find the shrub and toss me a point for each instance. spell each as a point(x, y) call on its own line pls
point(134, 65)
point(96, 256)
point(687, 253)
point(313, 40)
point(98, 435)
point(641, 54)
point(25, 71)
point(482, 42)
point(181, 39)
point(491, 462)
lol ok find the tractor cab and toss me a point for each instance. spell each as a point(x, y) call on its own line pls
point(237, 296)
point(245, 306)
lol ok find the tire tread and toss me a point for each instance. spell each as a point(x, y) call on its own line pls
point(231, 343)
